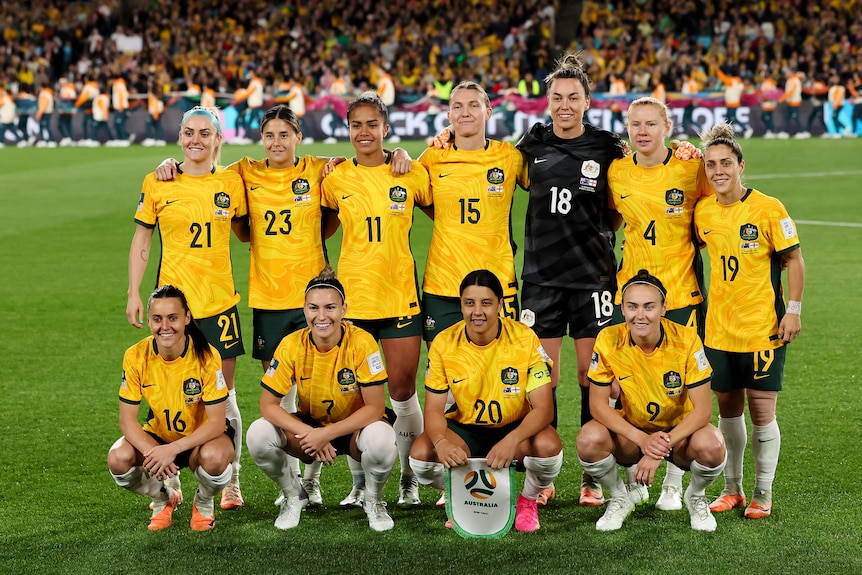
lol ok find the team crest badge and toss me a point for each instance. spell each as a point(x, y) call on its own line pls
point(222, 200)
point(672, 380)
point(480, 500)
point(300, 187)
point(192, 386)
point(496, 176)
point(748, 232)
point(398, 194)
point(509, 376)
point(346, 377)
point(674, 197)
point(260, 343)
point(591, 169)
point(430, 322)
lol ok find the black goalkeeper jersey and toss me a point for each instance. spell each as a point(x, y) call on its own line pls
point(568, 238)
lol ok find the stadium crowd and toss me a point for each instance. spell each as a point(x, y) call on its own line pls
point(234, 48)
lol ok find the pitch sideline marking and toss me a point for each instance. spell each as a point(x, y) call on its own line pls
point(804, 175)
point(837, 224)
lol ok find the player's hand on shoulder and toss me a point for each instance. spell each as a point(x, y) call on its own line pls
point(401, 162)
point(167, 170)
point(330, 165)
point(685, 150)
point(442, 140)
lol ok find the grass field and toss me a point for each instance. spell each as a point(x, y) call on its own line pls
point(63, 267)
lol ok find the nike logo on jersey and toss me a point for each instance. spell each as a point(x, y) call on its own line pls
point(540, 160)
point(304, 378)
point(761, 375)
point(402, 324)
point(169, 202)
point(622, 378)
point(443, 175)
point(148, 385)
point(624, 197)
point(231, 344)
point(604, 322)
point(253, 188)
point(706, 232)
point(343, 197)
point(454, 381)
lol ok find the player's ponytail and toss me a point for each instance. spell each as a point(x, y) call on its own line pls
point(193, 330)
point(326, 279)
point(570, 66)
point(721, 135)
point(643, 277)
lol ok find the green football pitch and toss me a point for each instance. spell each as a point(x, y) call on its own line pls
point(63, 266)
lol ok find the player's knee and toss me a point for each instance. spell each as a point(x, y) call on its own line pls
point(546, 443)
point(708, 446)
point(592, 439)
point(262, 438)
point(376, 442)
point(121, 457)
point(214, 456)
point(422, 449)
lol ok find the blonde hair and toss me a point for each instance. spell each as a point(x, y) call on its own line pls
point(211, 114)
point(471, 85)
point(650, 101)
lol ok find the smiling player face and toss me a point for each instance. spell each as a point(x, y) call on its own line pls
point(567, 103)
point(279, 142)
point(324, 309)
point(167, 321)
point(198, 138)
point(481, 311)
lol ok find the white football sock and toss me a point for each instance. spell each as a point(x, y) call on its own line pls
point(209, 485)
point(541, 472)
point(356, 471)
point(376, 442)
point(137, 480)
point(233, 416)
point(409, 425)
point(765, 445)
point(735, 438)
point(266, 444)
point(606, 473)
point(288, 403)
point(673, 475)
point(702, 477)
point(429, 473)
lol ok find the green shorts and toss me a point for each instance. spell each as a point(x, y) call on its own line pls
point(761, 370)
point(271, 326)
point(440, 312)
point(223, 332)
point(479, 438)
point(391, 328)
point(689, 316)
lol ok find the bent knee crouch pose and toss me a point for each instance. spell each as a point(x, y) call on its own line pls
point(491, 361)
point(664, 376)
point(179, 375)
point(339, 377)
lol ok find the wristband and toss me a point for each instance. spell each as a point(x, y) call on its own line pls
point(439, 440)
point(794, 307)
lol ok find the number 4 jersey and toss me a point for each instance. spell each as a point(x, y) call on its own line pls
point(568, 239)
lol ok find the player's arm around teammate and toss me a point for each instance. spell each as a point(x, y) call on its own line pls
point(339, 376)
point(376, 265)
point(748, 236)
point(663, 373)
point(179, 375)
point(499, 378)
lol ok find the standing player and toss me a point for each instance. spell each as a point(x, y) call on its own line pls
point(179, 375)
point(194, 215)
point(339, 376)
point(568, 277)
point(472, 188)
point(750, 238)
point(655, 193)
point(498, 375)
point(377, 267)
point(663, 375)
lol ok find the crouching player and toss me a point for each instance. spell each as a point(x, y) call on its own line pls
point(179, 375)
point(339, 377)
point(664, 379)
point(499, 376)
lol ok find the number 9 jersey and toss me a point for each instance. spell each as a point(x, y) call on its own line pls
point(490, 383)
